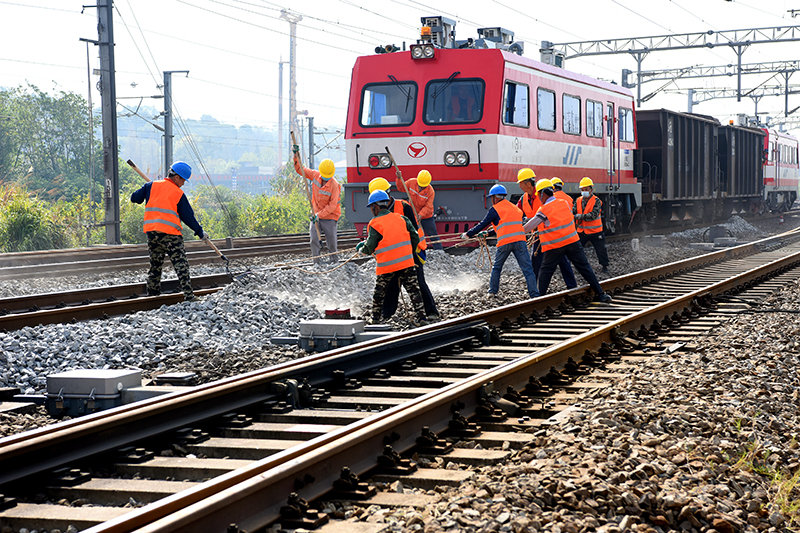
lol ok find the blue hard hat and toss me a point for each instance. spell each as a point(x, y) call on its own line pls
point(181, 169)
point(377, 196)
point(497, 190)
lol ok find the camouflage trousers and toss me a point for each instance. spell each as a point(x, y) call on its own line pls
point(408, 279)
point(161, 244)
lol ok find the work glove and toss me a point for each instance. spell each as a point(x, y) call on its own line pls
point(482, 234)
point(578, 217)
point(296, 148)
point(398, 174)
point(464, 236)
point(360, 246)
point(314, 219)
point(421, 256)
point(205, 236)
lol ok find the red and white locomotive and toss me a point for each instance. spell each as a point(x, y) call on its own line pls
point(473, 116)
point(474, 112)
point(781, 171)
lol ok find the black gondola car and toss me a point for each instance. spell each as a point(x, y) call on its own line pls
point(741, 172)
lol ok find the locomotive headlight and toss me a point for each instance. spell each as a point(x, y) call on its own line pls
point(422, 51)
point(456, 159)
point(379, 161)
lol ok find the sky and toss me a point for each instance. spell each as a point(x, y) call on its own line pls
point(232, 48)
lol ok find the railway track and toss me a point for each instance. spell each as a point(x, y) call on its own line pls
point(233, 451)
point(81, 261)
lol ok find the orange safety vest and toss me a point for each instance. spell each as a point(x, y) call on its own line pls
point(527, 209)
point(325, 193)
point(561, 230)
point(422, 197)
point(589, 226)
point(161, 209)
point(394, 249)
point(564, 196)
point(509, 229)
point(398, 208)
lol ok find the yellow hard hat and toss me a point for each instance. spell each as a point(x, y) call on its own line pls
point(525, 174)
point(556, 181)
point(543, 184)
point(586, 182)
point(327, 168)
point(423, 178)
point(378, 184)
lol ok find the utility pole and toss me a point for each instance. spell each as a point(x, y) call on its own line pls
point(292, 19)
point(310, 142)
point(281, 156)
point(168, 117)
point(108, 95)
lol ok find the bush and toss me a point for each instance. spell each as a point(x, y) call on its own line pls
point(274, 215)
point(26, 223)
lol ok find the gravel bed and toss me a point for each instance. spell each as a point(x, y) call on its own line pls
point(704, 440)
point(228, 332)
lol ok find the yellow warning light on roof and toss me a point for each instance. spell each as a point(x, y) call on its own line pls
point(425, 31)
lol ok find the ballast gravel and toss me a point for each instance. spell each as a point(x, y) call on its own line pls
point(701, 440)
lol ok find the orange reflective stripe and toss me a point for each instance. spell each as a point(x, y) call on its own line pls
point(589, 226)
point(510, 227)
point(161, 209)
point(561, 230)
point(394, 249)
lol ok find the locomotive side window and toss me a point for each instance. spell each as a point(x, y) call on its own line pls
point(546, 109)
point(594, 118)
point(388, 104)
point(625, 124)
point(571, 114)
point(454, 101)
point(515, 105)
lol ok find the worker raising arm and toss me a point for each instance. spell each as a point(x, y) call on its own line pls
point(421, 194)
point(325, 196)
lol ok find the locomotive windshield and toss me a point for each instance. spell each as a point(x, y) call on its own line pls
point(388, 104)
point(454, 101)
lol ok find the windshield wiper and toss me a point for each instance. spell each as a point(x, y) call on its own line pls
point(405, 90)
point(446, 84)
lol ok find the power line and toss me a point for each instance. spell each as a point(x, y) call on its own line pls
point(641, 16)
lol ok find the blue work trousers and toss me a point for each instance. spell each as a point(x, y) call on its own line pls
point(520, 251)
point(429, 227)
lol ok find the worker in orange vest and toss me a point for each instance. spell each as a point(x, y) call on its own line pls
point(589, 223)
point(559, 238)
point(325, 200)
point(558, 188)
point(166, 206)
point(393, 240)
point(421, 194)
point(506, 219)
point(529, 204)
point(401, 207)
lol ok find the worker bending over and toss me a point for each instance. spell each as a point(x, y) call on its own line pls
point(559, 238)
point(421, 194)
point(393, 240)
point(529, 204)
point(401, 207)
point(589, 223)
point(325, 196)
point(166, 206)
point(506, 219)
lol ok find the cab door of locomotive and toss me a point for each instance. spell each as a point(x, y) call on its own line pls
point(611, 141)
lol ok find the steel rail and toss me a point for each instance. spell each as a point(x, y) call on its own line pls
point(45, 448)
point(256, 502)
point(47, 442)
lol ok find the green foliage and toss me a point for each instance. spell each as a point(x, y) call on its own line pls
point(45, 143)
point(273, 215)
point(26, 224)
